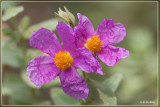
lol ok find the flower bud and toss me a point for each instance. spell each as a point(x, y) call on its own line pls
point(65, 16)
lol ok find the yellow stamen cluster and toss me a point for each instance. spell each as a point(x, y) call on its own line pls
point(63, 60)
point(94, 43)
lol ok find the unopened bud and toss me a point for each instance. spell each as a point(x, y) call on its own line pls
point(65, 16)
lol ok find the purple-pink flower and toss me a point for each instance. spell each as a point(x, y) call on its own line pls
point(61, 61)
point(100, 42)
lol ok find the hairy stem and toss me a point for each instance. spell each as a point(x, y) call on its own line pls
point(84, 75)
point(14, 23)
point(34, 96)
point(21, 41)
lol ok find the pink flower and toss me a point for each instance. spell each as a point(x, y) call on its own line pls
point(100, 42)
point(61, 61)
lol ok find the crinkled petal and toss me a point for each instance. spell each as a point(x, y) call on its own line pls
point(84, 60)
point(73, 84)
point(46, 41)
point(42, 70)
point(66, 34)
point(110, 55)
point(111, 33)
point(83, 31)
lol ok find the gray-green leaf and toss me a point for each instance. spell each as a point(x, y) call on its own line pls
point(110, 98)
point(11, 55)
point(113, 82)
point(12, 12)
point(8, 32)
point(24, 23)
point(93, 97)
point(17, 91)
point(60, 98)
point(48, 24)
point(27, 80)
point(6, 5)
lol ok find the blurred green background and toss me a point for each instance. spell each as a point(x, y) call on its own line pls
point(132, 80)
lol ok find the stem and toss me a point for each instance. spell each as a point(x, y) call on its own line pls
point(22, 40)
point(23, 45)
point(14, 22)
point(34, 97)
point(83, 101)
point(23, 48)
point(84, 75)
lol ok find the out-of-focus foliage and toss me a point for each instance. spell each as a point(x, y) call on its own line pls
point(131, 81)
point(113, 82)
point(24, 24)
point(100, 94)
point(6, 5)
point(48, 24)
point(60, 98)
point(11, 55)
point(141, 80)
point(12, 12)
point(27, 80)
point(17, 91)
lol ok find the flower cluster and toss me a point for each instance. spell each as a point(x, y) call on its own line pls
point(79, 50)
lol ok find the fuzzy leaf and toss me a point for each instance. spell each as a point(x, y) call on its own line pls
point(6, 5)
point(113, 81)
point(60, 98)
point(24, 23)
point(11, 55)
point(110, 98)
point(12, 12)
point(93, 97)
point(8, 32)
point(27, 80)
point(19, 92)
point(48, 24)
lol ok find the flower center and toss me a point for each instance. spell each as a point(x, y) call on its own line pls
point(94, 43)
point(63, 60)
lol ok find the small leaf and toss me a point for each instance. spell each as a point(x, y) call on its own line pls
point(8, 32)
point(106, 100)
point(6, 91)
point(12, 35)
point(93, 97)
point(48, 24)
point(80, 72)
point(27, 80)
point(20, 93)
point(110, 96)
point(11, 55)
point(113, 82)
point(53, 83)
point(12, 12)
point(60, 98)
point(6, 5)
point(32, 53)
point(24, 23)
point(7, 41)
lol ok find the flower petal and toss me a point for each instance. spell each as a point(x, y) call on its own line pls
point(85, 60)
point(46, 41)
point(111, 33)
point(42, 70)
point(110, 55)
point(66, 34)
point(83, 31)
point(73, 84)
